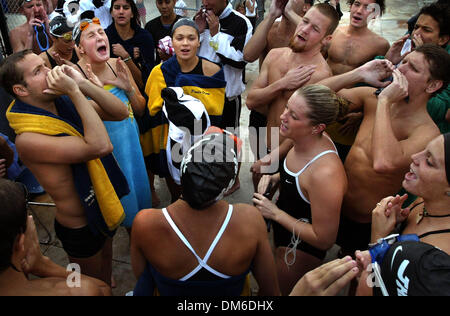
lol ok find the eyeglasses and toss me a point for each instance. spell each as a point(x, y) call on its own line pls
point(85, 23)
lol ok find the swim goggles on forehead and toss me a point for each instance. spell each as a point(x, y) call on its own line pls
point(85, 23)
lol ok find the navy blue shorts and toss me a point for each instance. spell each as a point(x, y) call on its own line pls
point(79, 242)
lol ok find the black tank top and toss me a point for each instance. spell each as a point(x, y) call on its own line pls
point(293, 202)
point(198, 69)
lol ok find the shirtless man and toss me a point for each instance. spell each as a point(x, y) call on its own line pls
point(272, 33)
point(23, 255)
point(395, 125)
point(25, 76)
point(286, 69)
point(24, 36)
point(354, 44)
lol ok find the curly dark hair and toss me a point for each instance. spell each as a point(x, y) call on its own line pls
point(381, 3)
point(441, 14)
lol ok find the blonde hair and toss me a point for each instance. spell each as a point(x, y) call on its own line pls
point(322, 102)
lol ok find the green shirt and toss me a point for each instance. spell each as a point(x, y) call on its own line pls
point(438, 106)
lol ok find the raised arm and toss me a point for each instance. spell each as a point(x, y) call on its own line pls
point(126, 82)
point(41, 148)
point(258, 42)
point(372, 73)
point(290, 13)
point(108, 106)
point(390, 153)
point(118, 50)
point(230, 49)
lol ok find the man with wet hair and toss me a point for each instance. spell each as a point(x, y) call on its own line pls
point(395, 126)
point(354, 44)
point(286, 69)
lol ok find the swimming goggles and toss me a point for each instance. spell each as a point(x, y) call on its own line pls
point(41, 37)
point(85, 23)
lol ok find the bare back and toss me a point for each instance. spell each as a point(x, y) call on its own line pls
point(280, 61)
point(242, 246)
point(348, 51)
point(366, 187)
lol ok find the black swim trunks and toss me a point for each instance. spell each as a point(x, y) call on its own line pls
point(79, 242)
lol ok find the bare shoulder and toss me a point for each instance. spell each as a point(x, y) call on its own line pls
point(381, 43)
point(113, 62)
point(245, 209)
point(276, 53)
point(147, 217)
point(340, 30)
point(323, 71)
point(424, 132)
point(249, 216)
point(209, 68)
point(328, 166)
point(328, 173)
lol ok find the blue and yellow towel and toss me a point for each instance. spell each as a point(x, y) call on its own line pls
point(103, 209)
point(209, 90)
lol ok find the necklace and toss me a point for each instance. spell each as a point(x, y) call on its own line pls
point(425, 213)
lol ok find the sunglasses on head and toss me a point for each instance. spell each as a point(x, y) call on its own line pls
point(85, 23)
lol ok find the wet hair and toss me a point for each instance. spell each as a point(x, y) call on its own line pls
point(10, 74)
point(381, 3)
point(135, 20)
point(441, 14)
point(330, 12)
point(322, 103)
point(183, 22)
point(439, 61)
point(13, 218)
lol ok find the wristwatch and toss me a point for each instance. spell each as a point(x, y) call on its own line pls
point(379, 249)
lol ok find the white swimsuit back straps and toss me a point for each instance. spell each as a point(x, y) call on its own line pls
point(202, 263)
point(297, 175)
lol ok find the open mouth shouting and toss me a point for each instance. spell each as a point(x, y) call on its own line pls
point(102, 50)
point(411, 175)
